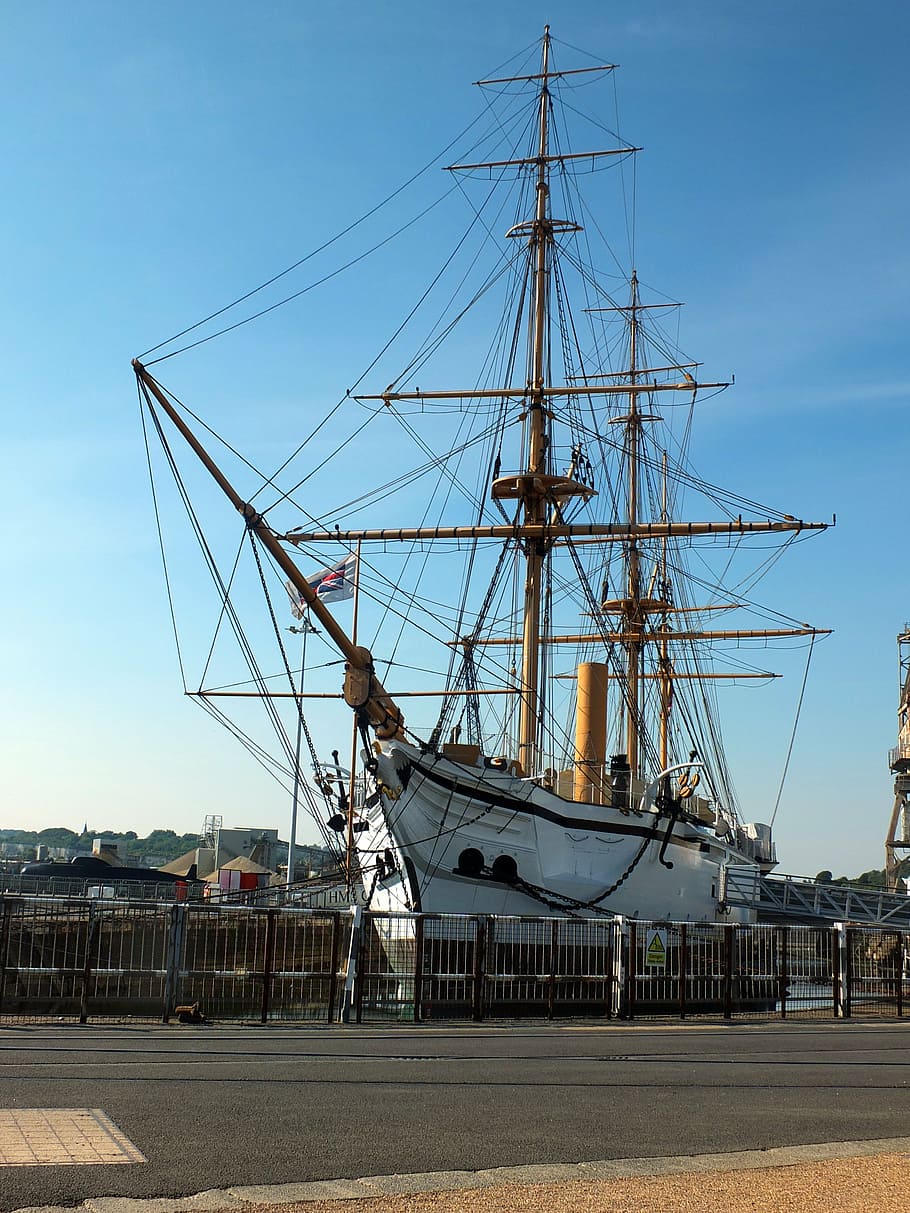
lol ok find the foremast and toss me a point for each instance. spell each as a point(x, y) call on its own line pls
point(539, 493)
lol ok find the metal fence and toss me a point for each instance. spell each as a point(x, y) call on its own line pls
point(102, 960)
point(104, 886)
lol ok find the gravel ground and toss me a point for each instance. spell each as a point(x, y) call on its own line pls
point(857, 1185)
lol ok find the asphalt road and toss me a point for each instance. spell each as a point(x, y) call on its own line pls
point(210, 1107)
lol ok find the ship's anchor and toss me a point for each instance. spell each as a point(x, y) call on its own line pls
point(658, 791)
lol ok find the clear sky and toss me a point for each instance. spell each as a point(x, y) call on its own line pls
point(159, 160)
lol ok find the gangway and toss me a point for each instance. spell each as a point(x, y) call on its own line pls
point(796, 899)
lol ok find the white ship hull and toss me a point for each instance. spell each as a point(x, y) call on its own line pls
point(446, 838)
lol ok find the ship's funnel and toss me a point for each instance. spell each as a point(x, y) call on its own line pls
point(591, 733)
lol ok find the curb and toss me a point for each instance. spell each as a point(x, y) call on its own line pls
point(239, 1197)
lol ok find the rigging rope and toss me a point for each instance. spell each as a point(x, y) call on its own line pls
point(167, 579)
point(308, 256)
point(306, 289)
point(230, 613)
point(299, 702)
point(793, 734)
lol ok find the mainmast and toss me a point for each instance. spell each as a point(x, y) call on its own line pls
point(632, 606)
point(534, 503)
point(536, 488)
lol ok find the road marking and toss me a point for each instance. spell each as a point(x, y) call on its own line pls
point(54, 1137)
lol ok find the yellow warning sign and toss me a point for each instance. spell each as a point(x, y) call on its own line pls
point(656, 949)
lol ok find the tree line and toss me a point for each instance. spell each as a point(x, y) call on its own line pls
point(165, 843)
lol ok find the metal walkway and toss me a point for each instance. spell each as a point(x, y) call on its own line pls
point(796, 899)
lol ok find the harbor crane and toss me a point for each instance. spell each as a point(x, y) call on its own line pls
point(899, 828)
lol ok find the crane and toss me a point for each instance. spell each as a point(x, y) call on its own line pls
point(899, 828)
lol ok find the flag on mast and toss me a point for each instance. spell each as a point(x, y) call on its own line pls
point(333, 584)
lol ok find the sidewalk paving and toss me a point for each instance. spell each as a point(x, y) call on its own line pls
point(837, 1177)
point(868, 1185)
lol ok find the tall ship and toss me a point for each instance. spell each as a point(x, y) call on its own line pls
point(505, 564)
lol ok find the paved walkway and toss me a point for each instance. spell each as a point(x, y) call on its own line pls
point(872, 1185)
point(840, 1177)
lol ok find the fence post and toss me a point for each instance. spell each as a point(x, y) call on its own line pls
point(6, 939)
point(631, 950)
point(783, 962)
point(360, 965)
point(418, 969)
point(551, 984)
point(173, 959)
point(848, 970)
point(729, 941)
point(268, 964)
point(333, 976)
point(615, 966)
point(91, 935)
point(683, 968)
point(841, 972)
point(480, 955)
point(899, 975)
point(351, 972)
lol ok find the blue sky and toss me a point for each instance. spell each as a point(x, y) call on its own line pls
point(157, 162)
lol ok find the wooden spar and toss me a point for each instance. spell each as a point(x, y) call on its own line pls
point(471, 691)
point(558, 158)
point(674, 676)
point(659, 606)
point(349, 834)
point(660, 635)
point(606, 532)
point(362, 690)
point(573, 71)
point(593, 389)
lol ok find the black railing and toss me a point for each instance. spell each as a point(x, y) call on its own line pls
point(108, 960)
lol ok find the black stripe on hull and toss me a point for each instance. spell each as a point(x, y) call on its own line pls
point(513, 804)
